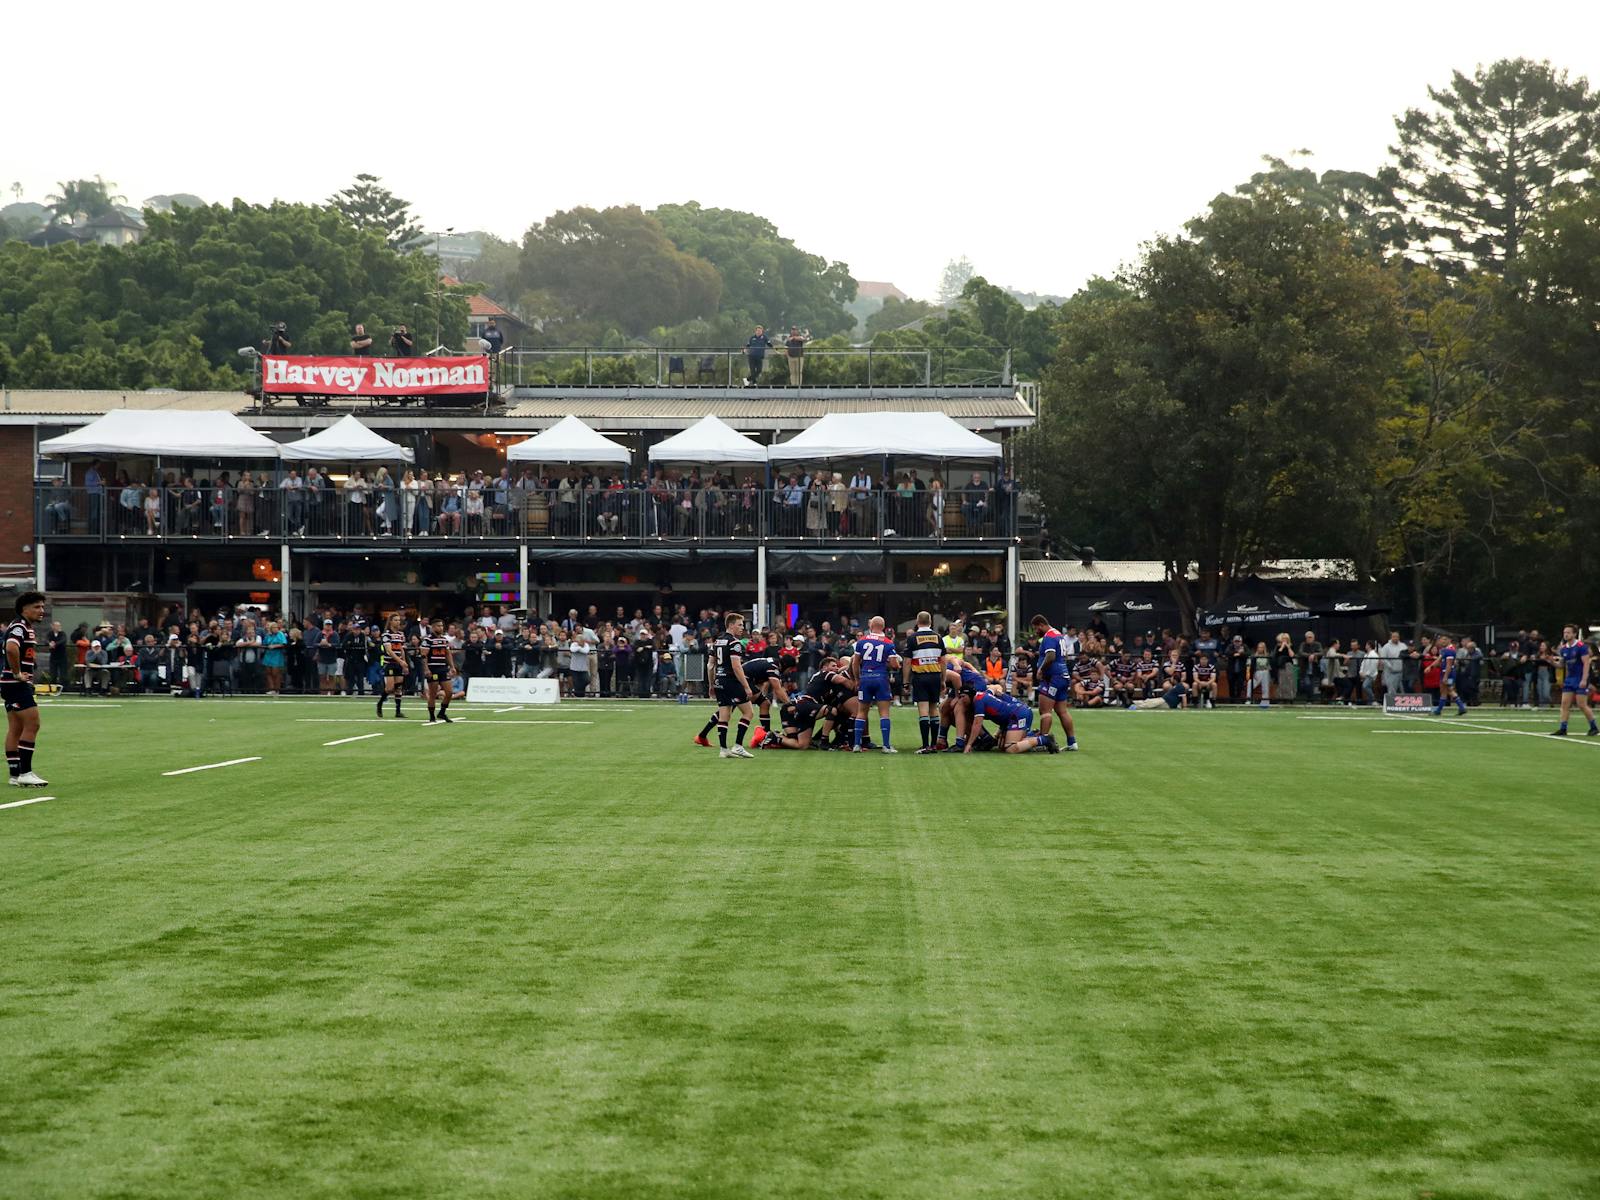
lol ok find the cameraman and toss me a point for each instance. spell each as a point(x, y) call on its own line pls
point(279, 342)
point(401, 344)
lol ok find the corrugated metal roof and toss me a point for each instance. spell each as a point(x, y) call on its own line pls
point(65, 402)
point(1111, 572)
point(1115, 572)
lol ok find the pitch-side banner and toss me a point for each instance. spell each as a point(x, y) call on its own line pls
point(303, 375)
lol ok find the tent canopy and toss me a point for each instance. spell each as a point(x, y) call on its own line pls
point(167, 434)
point(875, 435)
point(569, 440)
point(346, 440)
point(1255, 602)
point(709, 440)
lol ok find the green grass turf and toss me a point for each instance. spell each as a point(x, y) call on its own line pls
point(1216, 954)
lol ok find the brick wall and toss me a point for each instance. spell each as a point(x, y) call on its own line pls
point(16, 493)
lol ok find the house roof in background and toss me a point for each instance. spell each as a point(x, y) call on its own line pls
point(873, 289)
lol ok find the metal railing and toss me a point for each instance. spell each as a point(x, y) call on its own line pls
point(553, 514)
point(689, 366)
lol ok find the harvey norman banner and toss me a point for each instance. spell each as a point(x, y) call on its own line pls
point(301, 375)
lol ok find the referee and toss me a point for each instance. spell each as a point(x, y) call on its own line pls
point(923, 675)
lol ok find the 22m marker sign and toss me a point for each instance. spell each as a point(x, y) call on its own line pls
point(310, 376)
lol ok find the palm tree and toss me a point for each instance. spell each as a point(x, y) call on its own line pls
point(82, 199)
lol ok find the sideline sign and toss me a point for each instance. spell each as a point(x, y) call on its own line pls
point(305, 375)
point(1407, 702)
point(512, 691)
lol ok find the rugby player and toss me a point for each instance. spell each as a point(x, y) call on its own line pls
point(764, 674)
point(964, 685)
point(1575, 657)
point(1447, 678)
point(731, 687)
point(924, 671)
point(1015, 722)
point(871, 663)
point(1054, 680)
point(1089, 683)
point(441, 671)
point(16, 690)
point(395, 666)
point(800, 718)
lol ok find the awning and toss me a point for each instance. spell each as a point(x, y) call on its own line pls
point(569, 440)
point(167, 434)
point(346, 440)
point(1125, 600)
point(930, 435)
point(1350, 604)
point(1256, 602)
point(709, 440)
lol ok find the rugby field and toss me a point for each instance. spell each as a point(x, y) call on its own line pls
point(563, 952)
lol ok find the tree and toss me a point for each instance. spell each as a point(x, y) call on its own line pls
point(367, 204)
point(615, 266)
point(766, 278)
point(1477, 168)
point(956, 273)
point(82, 200)
point(1365, 203)
point(1247, 361)
point(897, 313)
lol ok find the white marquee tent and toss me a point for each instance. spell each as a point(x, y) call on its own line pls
point(880, 434)
point(709, 440)
point(569, 440)
point(346, 440)
point(164, 434)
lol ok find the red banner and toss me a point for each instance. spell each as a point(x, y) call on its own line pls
point(304, 375)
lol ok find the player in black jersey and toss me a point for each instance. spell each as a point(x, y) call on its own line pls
point(764, 676)
point(395, 664)
point(800, 718)
point(441, 671)
point(730, 686)
point(16, 689)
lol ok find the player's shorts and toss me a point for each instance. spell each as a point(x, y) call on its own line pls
point(18, 695)
point(874, 689)
point(1055, 689)
point(438, 676)
point(730, 694)
point(395, 670)
point(926, 688)
point(1024, 722)
point(803, 716)
point(1576, 689)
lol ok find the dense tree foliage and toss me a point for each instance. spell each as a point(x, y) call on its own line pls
point(1476, 167)
point(173, 310)
point(367, 204)
point(766, 278)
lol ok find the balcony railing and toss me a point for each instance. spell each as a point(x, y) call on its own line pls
point(714, 367)
point(632, 515)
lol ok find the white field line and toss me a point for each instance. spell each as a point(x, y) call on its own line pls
point(29, 800)
point(1457, 732)
point(1579, 738)
point(513, 708)
point(232, 762)
point(78, 704)
point(423, 722)
point(360, 737)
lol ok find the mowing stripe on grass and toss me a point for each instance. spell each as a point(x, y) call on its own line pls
point(29, 800)
point(360, 737)
point(232, 762)
point(1457, 732)
point(457, 720)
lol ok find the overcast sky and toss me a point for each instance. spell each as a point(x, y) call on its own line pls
point(1044, 141)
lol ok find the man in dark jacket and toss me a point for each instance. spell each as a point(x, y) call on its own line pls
point(755, 351)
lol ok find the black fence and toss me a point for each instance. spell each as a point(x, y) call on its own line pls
point(559, 514)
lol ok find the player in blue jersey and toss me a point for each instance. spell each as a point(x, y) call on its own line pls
point(1576, 662)
point(1446, 651)
point(1015, 722)
point(1053, 680)
point(874, 657)
point(963, 684)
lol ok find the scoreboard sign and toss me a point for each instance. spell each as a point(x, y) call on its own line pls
point(1408, 702)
